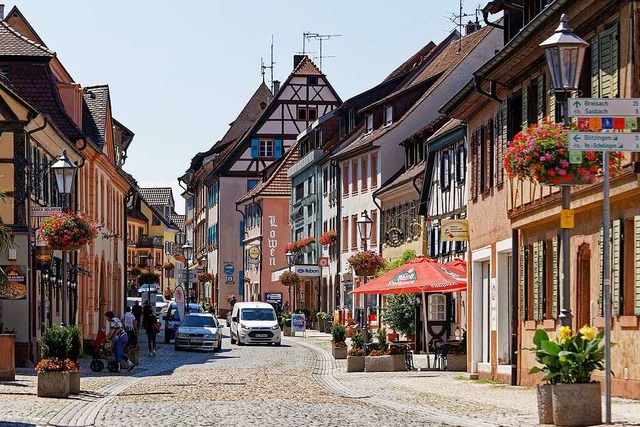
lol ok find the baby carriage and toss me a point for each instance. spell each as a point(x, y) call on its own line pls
point(103, 350)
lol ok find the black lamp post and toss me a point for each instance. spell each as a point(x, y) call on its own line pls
point(150, 258)
point(187, 251)
point(564, 52)
point(364, 228)
point(291, 260)
point(64, 171)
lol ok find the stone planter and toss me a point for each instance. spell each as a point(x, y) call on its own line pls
point(53, 384)
point(391, 363)
point(457, 362)
point(355, 363)
point(7, 357)
point(328, 323)
point(74, 382)
point(577, 404)
point(339, 352)
point(545, 403)
point(287, 331)
point(321, 325)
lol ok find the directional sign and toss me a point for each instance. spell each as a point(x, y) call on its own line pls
point(594, 141)
point(599, 107)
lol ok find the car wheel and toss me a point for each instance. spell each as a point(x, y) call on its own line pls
point(240, 342)
point(278, 343)
point(233, 340)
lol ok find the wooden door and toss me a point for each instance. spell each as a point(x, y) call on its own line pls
point(583, 280)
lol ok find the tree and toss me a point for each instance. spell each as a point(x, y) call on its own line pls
point(400, 313)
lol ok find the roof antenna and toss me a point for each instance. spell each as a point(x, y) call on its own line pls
point(321, 38)
point(270, 67)
point(457, 21)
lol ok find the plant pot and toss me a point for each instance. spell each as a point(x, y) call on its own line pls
point(392, 336)
point(457, 362)
point(545, 403)
point(321, 325)
point(362, 272)
point(7, 357)
point(391, 363)
point(577, 404)
point(53, 384)
point(355, 363)
point(287, 331)
point(561, 181)
point(339, 352)
point(74, 382)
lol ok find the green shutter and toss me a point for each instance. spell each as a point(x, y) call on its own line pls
point(523, 282)
point(555, 276)
point(608, 65)
point(541, 97)
point(595, 68)
point(505, 121)
point(616, 260)
point(538, 277)
point(636, 269)
point(525, 105)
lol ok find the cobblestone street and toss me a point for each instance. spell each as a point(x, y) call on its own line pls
point(298, 383)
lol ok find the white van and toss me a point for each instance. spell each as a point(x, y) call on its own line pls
point(253, 323)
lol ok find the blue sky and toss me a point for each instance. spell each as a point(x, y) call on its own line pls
point(180, 72)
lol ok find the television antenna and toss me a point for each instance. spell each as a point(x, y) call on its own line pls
point(457, 21)
point(320, 37)
point(268, 67)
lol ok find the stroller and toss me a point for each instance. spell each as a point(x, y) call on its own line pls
point(103, 350)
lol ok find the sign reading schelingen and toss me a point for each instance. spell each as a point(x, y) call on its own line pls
point(604, 141)
point(454, 230)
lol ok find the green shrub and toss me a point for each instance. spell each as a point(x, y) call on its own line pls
point(382, 340)
point(400, 313)
point(338, 333)
point(54, 342)
point(74, 342)
point(357, 340)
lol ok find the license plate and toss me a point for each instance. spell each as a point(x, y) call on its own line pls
point(261, 335)
point(196, 343)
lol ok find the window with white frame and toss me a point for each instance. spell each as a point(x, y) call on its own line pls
point(266, 148)
point(369, 121)
point(437, 307)
point(388, 115)
point(445, 171)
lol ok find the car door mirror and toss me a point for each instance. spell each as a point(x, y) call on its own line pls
point(234, 319)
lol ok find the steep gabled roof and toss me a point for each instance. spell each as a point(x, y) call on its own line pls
point(279, 183)
point(94, 113)
point(159, 196)
point(415, 61)
point(306, 67)
point(12, 43)
point(178, 220)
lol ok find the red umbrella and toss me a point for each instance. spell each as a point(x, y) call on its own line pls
point(458, 265)
point(419, 275)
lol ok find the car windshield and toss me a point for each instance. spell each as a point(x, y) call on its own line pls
point(160, 298)
point(199, 321)
point(258, 314)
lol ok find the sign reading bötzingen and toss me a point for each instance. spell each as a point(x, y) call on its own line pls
point(605, 141)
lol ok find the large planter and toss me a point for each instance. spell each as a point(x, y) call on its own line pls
point(575, 180)
point(328, 323)
point(74, 382)
point(577, 404)
point(53, 384)
point(134, 354)
point(545, 403)
point(321, 325)
point(457, 362)
point(287, 331)
point(7, 357)
point(339, 352)
point(392, 363)
point(355, 363)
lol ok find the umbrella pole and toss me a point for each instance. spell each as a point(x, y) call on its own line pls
point(426, 337)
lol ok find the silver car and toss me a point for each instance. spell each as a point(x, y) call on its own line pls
point(199, 331)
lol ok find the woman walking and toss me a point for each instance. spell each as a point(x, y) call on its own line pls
point(119, 337)
point(150, 326)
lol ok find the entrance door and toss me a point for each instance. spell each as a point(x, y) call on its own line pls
point(486, 313)
point(583, 303)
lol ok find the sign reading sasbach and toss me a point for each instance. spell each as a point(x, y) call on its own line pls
point(604, 141)
point(604, 107)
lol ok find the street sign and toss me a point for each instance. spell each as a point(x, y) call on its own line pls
point(229, 279)
point(229, 269)
point(608, 141)
point(44, 211)
point(567, 218)
point(599, 107)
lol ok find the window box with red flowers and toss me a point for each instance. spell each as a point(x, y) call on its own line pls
point(305, 245)
point(66, 231)
point(541, 153)
point(205, 277)
point(366, 263)
point(289, 278)
point(328, 237)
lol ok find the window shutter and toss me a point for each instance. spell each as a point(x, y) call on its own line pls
point(616, 259)
point(595, 68)
point(255, 148)
point(608, 67)
point(500, 142)
point(241, 233)
point(475, 172)
point(636, 269)
point(541, 97)
point(538, 280)
point(523, 282)
point(278, 148)
point(555, 278)
point(525, 106)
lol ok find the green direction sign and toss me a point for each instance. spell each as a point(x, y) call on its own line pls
point(604, 141)
point(575, 157)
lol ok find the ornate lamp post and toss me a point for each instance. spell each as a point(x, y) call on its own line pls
point(364, 228)
point(64, 171)
point(564, 52)
point(187, 251)
point(150, 258)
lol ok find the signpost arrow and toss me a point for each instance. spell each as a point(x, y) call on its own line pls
point(606, 141)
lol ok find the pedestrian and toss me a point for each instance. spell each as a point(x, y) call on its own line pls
point(151, 326)
point(232, 301)
point(137, 313)
point(129, 320)
point(119, 338)
point(146, 310)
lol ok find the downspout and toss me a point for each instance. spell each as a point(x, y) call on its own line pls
point(380, 221)
point(244, 253)
point(477, 83)
point(337, 283)
point(515, 258)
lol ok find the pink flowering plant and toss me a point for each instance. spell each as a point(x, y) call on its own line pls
point(66, 231)
point(541, 153)
point(367, 262)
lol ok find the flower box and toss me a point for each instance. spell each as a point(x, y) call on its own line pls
point(366, 263)
point(457, 362)
point(339, 352)
point(576, 404)
point(391, 363)
point(355, 363)
point(74, 382)
point(53, 384)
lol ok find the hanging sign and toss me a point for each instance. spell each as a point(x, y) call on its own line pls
point(254, 254)
point(454, 230)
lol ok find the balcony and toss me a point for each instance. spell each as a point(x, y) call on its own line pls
point(308, 160)
point(145, 241)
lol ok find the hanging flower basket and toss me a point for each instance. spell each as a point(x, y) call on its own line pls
point(168, 266)
point(205, 277)
point(289, 278)
point(328, 237)
point(65, 231)
point(366, 263)
point(541, 153)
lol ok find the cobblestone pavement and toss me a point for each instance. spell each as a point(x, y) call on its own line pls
point(298, 383)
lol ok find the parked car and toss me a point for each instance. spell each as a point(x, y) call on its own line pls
point(148, 287)
point(253, 323)
point(199, 331)
point(161, 303)
point(170, 318)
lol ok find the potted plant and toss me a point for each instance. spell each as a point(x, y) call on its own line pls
point(289, 278)
point(321, 316)
point(384, 358)
point(366, 263)
point(74, 348)
point(338, 344)
point(285, 323)
point(457, 354)
point(168, 266)
point(53, 377)
point(355, 355)
point(567, 363)
point(205, 277)
point(67, 231)
point(400, 313)
point(541, 153)
point(328, 237)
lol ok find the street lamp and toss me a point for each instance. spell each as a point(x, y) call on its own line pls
point(291, 259)
point(364, 228)
point(64, 171)
point(187, 251)
point(202, 261)
point(564, 52)
point(150, 258)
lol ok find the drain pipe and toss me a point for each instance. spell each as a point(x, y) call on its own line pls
point(515, 257)
point(244, 253)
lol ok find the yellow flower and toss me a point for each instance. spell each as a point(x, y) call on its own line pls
point(565, 333)
point(587, 333)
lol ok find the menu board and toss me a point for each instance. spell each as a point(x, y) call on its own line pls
point(14, 285)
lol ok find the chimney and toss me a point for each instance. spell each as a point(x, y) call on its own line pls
point(2, 11)
point(276, 86)
point(297, 59)
point(471, 27)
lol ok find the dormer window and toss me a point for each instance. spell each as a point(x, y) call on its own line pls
point(369, 123)
point(388, 115)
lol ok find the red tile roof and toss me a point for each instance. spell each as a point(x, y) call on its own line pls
point(306, 67)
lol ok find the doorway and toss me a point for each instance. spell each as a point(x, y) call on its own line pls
point(583, 302)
